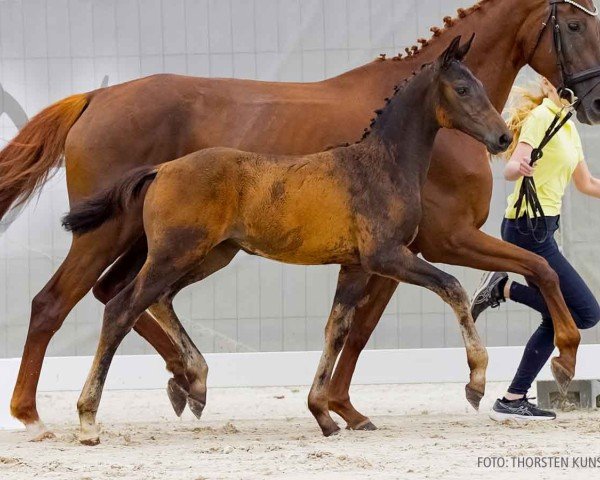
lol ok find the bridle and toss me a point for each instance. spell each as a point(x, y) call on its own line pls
point(527, 200)
point(568, 80)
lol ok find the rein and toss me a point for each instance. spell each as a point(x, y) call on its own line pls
point(528, 198)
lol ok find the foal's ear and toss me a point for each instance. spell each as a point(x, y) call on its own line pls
point(462, 51)
point(449, 54)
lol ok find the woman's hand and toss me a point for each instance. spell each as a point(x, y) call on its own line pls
point(518, 165)
point(525, 169)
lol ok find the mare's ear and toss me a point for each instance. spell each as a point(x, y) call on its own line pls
point(461, 52)
point(449, 54)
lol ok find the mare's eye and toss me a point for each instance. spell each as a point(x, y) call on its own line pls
point(462, 91)
point(574, 26)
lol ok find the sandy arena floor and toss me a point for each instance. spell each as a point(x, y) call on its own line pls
point(425, 431)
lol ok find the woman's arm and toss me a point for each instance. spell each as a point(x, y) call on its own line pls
point(518, 165)
point(584, 182)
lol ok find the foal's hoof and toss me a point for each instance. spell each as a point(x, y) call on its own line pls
point(562, 375)
point(90, 440)
point(366, 426)
point(196, 406)
point(177, 395)
point(473, 397)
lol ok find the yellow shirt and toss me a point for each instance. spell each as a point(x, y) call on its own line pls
point(554, 170)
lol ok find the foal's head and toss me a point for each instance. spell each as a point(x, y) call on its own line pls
point(462, 103)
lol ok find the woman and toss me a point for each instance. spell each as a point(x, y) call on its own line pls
point(563, 160)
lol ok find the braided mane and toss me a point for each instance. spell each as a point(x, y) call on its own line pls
point(411, 52)
point(449, 22)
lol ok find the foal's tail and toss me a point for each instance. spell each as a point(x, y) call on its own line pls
point(94, 212)
point(27, 161)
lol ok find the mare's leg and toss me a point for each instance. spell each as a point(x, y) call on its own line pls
point(378, 292)
point(88, 256)
point(350, 291)
point(405, 266)
point(470, 247)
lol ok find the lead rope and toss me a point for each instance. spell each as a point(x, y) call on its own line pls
point(528, 198)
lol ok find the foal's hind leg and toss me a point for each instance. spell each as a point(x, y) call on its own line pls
point(167, 264)
point(196, 368)
point(120, 314)
point(351, 287)
point(405, 266)
point(119, 275)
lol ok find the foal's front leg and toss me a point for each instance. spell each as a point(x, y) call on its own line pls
point(404, 266)
point(378, 293)
point(350, 291)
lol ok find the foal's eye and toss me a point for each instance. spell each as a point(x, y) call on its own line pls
point(574, 26)
point(462, 91)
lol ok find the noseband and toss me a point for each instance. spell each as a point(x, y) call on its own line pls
point(568, 80)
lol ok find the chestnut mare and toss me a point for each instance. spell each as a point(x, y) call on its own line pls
point(358, 206)
point(105, 133)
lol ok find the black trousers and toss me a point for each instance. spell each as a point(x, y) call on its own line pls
point(581, 302)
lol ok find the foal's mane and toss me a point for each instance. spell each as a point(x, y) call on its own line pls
point(397, 90)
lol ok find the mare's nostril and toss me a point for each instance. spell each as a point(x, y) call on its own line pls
point(596, 105)
point(504, 141)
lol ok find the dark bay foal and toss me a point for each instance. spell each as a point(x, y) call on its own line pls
point(357, 206)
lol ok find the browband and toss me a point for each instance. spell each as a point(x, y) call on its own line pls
point(593, 13)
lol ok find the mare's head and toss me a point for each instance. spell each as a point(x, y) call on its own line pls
point(462, 103)
point(561, 41)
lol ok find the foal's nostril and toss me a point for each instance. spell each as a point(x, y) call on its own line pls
point(596, 105)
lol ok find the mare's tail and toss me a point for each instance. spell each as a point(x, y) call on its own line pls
point(27, 161)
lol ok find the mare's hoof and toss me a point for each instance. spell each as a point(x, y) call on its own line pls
point(331, 431)
point(196, 406)
point(562, 376)
point(473, 397)
point(38, 432)
point(40, 437)
point(177, 395)
point(366, 426)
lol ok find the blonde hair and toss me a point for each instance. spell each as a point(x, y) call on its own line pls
point(523, 101)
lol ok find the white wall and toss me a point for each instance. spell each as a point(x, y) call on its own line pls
point(51, 48)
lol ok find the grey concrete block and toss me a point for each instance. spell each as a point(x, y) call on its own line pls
point(582, 394)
